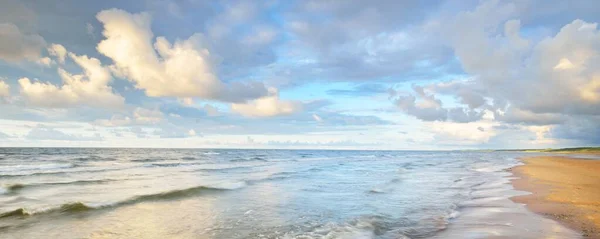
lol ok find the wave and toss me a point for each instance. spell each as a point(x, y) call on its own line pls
point(20, 168)
point(74, 207)
point(178, 193)
point(65, 208)
point(222, 167)
point(255, 158)
point(164, 164)
point(211, 153)
point(75, 182)
point(11, 188)
point(364, 227)
point(142, 160)
point(190, 158)
point(93, 158)
point(75, 171)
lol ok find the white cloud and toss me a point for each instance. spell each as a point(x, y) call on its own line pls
point(449, 133)
point(89, 29)
point(114, 121)
point(90, 88)
point(180, 69)
point(211, 110)
point(42, 132)
point(58, 51)
point(147, 116)
point(139, 116)
point(4, 89)
point(520, 80)
point(267, 106)
point(317, 118)
point(16, 46)
point(558, 74)
point(44, 61)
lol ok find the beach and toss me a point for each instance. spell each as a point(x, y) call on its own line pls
point(564, 188)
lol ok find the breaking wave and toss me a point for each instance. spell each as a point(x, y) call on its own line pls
point(74, 207)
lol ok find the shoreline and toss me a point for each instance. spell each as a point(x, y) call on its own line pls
point(563, 188)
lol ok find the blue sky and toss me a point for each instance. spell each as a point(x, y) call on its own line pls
point(300, 74)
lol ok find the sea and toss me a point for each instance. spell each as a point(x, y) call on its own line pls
point(252, 193)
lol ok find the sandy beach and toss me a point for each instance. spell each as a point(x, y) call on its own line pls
point(563, 188)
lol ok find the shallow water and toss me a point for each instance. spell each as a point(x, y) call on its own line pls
point(190, 193)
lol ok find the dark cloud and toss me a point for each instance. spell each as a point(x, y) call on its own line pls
point(582, 131)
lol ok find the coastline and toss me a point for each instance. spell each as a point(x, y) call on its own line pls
point(563, 188)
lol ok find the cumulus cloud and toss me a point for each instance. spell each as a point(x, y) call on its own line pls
point(557, 75)
point(90, 88)
point(425, 106)
point(16, 46)
point(58, 51)
point(44, 61)
point(267, 106)
point(182, 69)
point(551, 85)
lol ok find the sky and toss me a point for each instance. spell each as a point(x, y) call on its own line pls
point(318, 74)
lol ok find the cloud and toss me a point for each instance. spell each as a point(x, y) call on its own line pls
point(16, 46)
point(90, 88)
point(317, 118)
point(173, 131)
point(449, 133)
point(516, 116)
point(139, 116)
point(267, 106)
point(4, 89)
point(545, 84)
point(44, 61)
point(147, 116)
point(425, 106)
point(557, 75)
point(114, 121)
point(182, 69)
point(42, 132)
point(581, 131)
point(362, 41)
point(4, 136)
point(58, 51)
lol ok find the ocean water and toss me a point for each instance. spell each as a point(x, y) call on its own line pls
point(223, 193)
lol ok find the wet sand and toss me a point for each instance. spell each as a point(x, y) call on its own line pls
point(563, 188)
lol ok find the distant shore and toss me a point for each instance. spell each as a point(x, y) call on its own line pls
point(563, 188)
